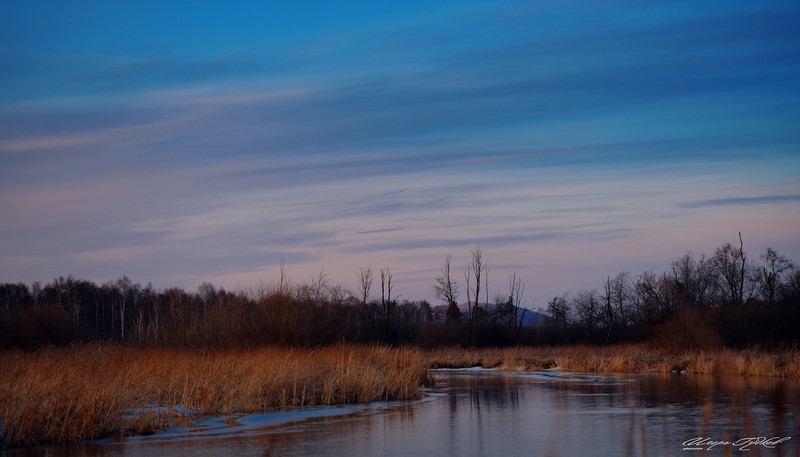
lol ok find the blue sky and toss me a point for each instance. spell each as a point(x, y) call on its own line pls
point(180, 142)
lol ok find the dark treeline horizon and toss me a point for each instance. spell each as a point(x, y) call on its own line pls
point(700, 302)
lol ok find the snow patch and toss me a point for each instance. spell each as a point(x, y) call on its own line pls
point(255, 423)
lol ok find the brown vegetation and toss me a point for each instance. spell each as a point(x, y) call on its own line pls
point(58, 395)
point(626, 358)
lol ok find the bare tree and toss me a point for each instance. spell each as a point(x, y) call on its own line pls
point(36, 292)
point(386, 300)
point(616, 303)
point(364, 283)
point(770, 274)
point(124, 286)
point(486, 284)
point(695, 281)
point(285, 281)
point(386, 285)
point(446, 289)
point(559, 310)
point(587, 309)
point(475, 270)
point(468, 282)
point(70, 293)
point(732, 267)
point(516, 289)
point(206, 294)
point(321, 284)
point(154, 322)
point(317, 291)
point(655, 298)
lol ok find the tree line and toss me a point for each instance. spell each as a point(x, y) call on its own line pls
point(701, 301)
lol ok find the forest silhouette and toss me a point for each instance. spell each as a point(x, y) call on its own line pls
point(701, 302)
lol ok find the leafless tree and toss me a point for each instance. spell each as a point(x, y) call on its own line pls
point(587, 308)
point(445, 288)
point(516, 289)
point(732, 267)
point(770, 274)
point(206, 294)
point(317, 290)
point(475, 270)
point(386, 285)
point(124, 288)
point(616, 298)
point(284, 281)
point(695, 281)
point(68, 293)
point(321, 283)
point(36, 292)
point(386, 300)
point(655, 298)
point(486, 283)
point(154, 322)
point(559, 310)
point(364, 283)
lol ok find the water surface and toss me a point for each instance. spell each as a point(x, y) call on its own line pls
point(493, 413)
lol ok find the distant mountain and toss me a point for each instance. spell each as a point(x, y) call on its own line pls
point(531, 317)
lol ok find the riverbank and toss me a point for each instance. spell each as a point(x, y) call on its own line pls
point(61, 395)
point(627, 358)
point(83, 392)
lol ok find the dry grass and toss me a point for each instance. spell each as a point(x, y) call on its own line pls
point(627, 358)
point(89, 391)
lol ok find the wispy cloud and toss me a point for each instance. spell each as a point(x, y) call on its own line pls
point(542, 131)
point(742, 201)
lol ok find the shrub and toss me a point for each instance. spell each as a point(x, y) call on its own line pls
point(690, 330)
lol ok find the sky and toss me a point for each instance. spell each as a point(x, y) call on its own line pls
point(187, 142)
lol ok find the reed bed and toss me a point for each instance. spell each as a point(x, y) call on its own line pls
point(60, 395)
point(626, 358)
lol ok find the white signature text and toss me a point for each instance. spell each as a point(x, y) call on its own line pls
point(743, 444)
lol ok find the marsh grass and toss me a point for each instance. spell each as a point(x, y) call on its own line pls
point(626, 358)
point(59, 395)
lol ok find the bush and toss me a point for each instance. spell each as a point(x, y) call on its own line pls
point(690, 330)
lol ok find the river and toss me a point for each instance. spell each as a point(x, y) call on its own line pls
point(478, 412)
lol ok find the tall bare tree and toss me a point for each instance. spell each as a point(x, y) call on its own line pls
point(516, 289)
point(284, 281)
point(124, 288)
point(365, 283)
point(587, 309)
point(387, 301)
point(732, 266)
point(475, 270)
point(446, 289)
point(386, 286)
point(617, 297)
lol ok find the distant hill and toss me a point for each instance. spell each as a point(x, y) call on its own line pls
point(532, 318)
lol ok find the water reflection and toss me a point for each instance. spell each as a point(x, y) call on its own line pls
point(490, 413)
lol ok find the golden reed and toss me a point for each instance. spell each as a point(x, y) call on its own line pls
point(625, 358)
point(59, 395)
